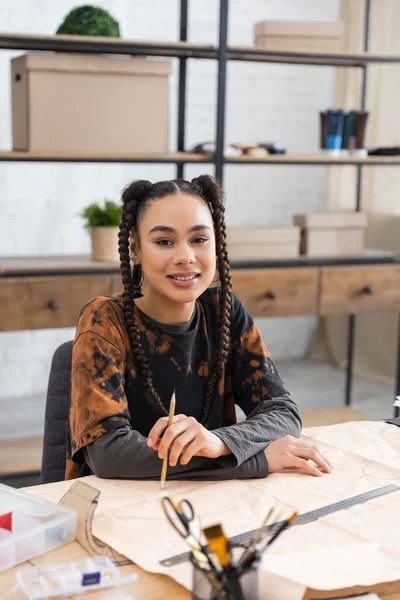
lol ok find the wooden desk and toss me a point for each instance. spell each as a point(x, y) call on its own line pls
point(149, 586)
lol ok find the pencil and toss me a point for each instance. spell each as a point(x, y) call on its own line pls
point(165, 459)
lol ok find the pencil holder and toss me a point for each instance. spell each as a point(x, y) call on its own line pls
point(236, 584)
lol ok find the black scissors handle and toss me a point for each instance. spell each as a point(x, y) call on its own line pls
point(183, 511)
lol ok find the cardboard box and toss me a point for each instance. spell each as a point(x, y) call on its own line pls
point(326, 35)
point(258, 243)
point(89, 103)
point(332, 234)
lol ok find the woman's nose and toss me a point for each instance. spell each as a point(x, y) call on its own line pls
point(184, 256)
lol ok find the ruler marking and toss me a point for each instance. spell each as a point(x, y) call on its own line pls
point(303, 519)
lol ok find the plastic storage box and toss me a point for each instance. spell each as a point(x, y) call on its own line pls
point(34, 526)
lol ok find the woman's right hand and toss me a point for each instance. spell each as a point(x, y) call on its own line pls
point(289, 452)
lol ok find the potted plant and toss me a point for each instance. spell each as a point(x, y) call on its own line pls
point(103, 225)
point(89, 20)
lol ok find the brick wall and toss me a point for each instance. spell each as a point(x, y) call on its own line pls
point(39, 203)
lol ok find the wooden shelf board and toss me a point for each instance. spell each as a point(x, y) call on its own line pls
point(309, 56)
point(314, 159)
point(121, 157)
point(98, 45)
point(87, 44)
point(188, 157)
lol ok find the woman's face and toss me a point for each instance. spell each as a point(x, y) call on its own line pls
point(177, 248)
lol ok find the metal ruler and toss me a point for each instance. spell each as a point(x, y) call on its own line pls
point(313, 515)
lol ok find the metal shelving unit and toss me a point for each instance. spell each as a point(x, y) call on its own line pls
point(184, 50)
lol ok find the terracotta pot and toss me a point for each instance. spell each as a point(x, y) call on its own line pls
point(105, 243)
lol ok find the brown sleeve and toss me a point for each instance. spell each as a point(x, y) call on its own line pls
point(98, 401)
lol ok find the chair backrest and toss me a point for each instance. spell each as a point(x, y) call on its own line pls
point(57, 409)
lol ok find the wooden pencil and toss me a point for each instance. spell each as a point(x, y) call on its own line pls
point(166, 457)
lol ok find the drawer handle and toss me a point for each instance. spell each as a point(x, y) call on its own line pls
point(54, 305)
point(368, 290)
point(271, 295)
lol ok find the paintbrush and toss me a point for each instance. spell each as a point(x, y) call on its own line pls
point(166, 457)
point(284, 525)
point(218, 544)
point(251, 548)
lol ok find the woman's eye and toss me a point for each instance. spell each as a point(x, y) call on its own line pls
point(164, 242)
point(199, 240)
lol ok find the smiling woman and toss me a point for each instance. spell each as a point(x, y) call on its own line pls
point(170, 331)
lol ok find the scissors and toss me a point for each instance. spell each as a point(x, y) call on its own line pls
point(181, 515)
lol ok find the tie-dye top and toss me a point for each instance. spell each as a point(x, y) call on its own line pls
point(107, 391)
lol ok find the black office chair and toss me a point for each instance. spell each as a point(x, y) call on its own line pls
point(56, 417)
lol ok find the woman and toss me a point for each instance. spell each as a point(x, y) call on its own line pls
point(171, 332)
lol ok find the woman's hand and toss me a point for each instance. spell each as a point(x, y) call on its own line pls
point(289, 452)
point(184, 439)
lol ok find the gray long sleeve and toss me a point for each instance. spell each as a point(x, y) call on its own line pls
point(124, 453)
point(270, 420)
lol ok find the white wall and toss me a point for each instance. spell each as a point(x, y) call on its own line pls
point(39, 203)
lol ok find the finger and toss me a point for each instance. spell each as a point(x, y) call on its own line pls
point(171, 433)
point(179, 445)
point(159, 427)
point(302, 444)
point(195, 446)
point(307, 466)
point(314, 454)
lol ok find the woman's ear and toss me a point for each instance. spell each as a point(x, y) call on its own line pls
point(134, 249)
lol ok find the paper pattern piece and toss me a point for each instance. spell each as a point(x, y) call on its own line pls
point(356, 546)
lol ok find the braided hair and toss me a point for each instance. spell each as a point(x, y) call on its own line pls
point(136, 198)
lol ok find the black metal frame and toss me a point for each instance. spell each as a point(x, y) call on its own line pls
point(222, 54)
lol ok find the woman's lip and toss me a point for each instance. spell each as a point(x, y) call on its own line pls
point(184, 283)
point(187, 274)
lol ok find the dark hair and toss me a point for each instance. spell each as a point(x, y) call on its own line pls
point(136, 198)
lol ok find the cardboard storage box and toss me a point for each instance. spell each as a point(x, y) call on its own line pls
point(257, 243)
point(332, 234)
point(89, 103)
point(327, 35)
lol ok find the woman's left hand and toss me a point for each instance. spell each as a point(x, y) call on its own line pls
point(184, 439)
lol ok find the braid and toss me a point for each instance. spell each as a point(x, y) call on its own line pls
point(132, 197)
point(210, 190)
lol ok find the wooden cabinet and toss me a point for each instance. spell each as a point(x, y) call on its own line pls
point(277, 292)
point(47, 302)
point(360, 289)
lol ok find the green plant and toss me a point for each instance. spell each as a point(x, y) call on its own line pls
point(89, 20)
point(97, 216)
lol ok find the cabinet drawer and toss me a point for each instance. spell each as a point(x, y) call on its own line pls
point(45, 302)
point(277, 292)
point(360, 289)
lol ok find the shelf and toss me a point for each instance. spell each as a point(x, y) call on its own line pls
point(100, 45)
point(314, 159)
point(187, 157)
point(97, 157)
point(308, 57)
point(76, 264)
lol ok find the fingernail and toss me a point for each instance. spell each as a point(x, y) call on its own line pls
point(149, 442)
